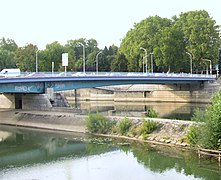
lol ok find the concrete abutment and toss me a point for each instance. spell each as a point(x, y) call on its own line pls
point(200, 93)
point(25, 101)
point(125, 93)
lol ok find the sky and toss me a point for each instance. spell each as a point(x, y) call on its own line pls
point(42, 22)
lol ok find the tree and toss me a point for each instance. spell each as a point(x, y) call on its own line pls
point(91, 49)
point(201, 35)
point(25, 58)
point(146, 35)
point(52, 53)
point(208, 133)
point(8, 44)
point(119, 64)
point(213, 122)
point(169, 54)
point(194, 32)
point(107, 57)
point(7, 53)
point(75, 49)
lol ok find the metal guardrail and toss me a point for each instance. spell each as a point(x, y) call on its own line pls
point(107, 74)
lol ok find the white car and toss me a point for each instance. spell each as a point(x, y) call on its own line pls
point(10, 72)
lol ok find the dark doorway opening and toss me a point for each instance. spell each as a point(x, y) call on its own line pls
point(18, 101)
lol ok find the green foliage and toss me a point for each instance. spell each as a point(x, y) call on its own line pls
point(152, 113)
point(199, 116)
point(169, 53)
point(213, 122)
point(198, 135)
point(96, 123)
point(144, 34)
point(208, 133)
point(201, 35)
point(194, 32)
point(7, 53)
point(124, 126)
point(26, 57)
point(53, 53)
point(193, 135)
point(147, 127)
point(119, 64)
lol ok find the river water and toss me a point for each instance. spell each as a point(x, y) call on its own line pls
point(170, 110)
point(32, 154)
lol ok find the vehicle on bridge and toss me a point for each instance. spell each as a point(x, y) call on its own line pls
point(10, 73)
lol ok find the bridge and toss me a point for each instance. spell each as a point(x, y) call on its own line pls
point(38, 83)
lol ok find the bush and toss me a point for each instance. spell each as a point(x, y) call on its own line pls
point(208, 133)
point(193, 135)
point(151, 113)
point(96, 123)
point(124, 126)
point(198, 116)
point(213, 122)
point(147, 127)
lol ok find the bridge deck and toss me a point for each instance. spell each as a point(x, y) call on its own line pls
point(38, 82)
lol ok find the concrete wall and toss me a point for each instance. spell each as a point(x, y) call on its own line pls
point(127, 93)
point(148, 93)
point(29, 101)
point(35, 101)
point(7, 101)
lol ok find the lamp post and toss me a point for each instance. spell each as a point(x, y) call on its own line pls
point(191, 63)
point(97, 61)
point(151, 54)
point(143, 58)
point(36, 61)
point(83, 56)
point(210, 64)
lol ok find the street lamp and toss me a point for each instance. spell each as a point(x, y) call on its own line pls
point(83, 56)
point(210, 64)
point(97, 61)
point(191, 63)
point(151, 54)
point(143, 58)
point(36, 61)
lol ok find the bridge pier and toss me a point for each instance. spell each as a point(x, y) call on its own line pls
point(7, 101)
point(35, 101)
point(25, 101)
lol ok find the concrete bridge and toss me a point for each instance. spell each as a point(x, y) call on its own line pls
point(39, 83)
point(44, 83)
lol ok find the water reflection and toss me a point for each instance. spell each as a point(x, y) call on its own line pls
point(76, 156)
point(183, 111)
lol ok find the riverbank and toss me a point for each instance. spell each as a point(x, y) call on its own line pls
point(171, 132)
point(59, 121)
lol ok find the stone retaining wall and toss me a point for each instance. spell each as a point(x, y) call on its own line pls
point(171, 131)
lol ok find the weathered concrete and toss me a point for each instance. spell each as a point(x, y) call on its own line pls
point(35, 101)
point(7, 101)
point(148, 93)
point(32, 101)
point(28, 101)
point(63, 121)
point(124, 93)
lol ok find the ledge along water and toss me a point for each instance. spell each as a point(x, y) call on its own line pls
point(65, 121)
point(170, 135)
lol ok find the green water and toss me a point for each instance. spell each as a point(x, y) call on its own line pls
point(35, 154)
point(167, 110)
